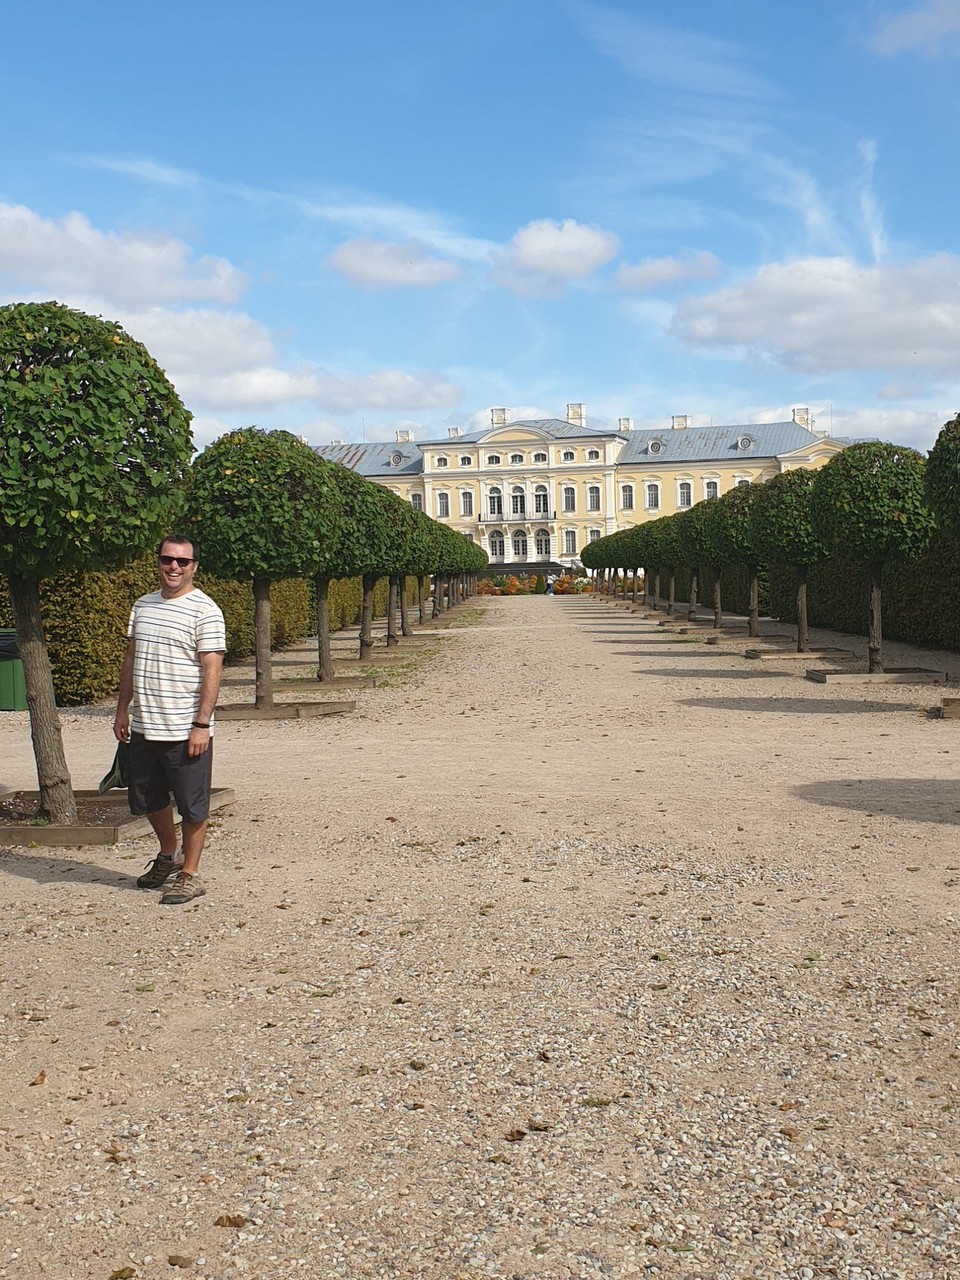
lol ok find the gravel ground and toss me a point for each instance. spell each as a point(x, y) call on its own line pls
point(578, 950)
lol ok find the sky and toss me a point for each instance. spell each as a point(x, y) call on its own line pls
point(345, 217)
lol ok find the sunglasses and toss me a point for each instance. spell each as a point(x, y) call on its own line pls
point(182, 561)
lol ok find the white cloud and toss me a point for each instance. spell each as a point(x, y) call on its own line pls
point(653, 273)
point(158, 175)
point(544, 255)
point(72, 256)
point(930, 28)
point(377, 264)
point(822, 315)
point(917, 428)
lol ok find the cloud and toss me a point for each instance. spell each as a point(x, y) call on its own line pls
point(821, 315)
point(917, 428)
point(378, 265)
point(72, 256)
point(158, 175)
point(653, 273)
point(930, 28)
point(544, 255)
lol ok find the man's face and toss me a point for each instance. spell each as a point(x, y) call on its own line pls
point(176, 579)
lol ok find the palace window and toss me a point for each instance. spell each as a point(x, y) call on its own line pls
point(684, 494)
point(443, 505)
point(516, 458)
point(496, 543)
point(518, 501)
point(466, 460)
point(593, 497)
point(593, 535)
point(495, 502)
point(542, 542)
point(569, 542)
point(541, 500)
point(593, 455)
point(493, 459)
point(416, 501)
point(466, 503)
point(711, 489)
point(741, 483)
point(626, 497)
point(653, 497)
point(539, 457)
point(442, 461)
point(569, 498)
point(568, 455)
point(519, 545)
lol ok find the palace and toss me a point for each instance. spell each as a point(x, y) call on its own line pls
point(532, 493)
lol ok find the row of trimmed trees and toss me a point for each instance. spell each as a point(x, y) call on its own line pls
point(95, 466)
point(873, 502)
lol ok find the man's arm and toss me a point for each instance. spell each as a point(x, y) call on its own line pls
point(212, 665)
point(121, 723)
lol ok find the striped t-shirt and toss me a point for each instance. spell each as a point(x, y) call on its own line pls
point(169, 636)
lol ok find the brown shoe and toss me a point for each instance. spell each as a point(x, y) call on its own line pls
point(185, 888)
point(160, 870)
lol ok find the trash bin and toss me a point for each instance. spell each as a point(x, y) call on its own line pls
point(13, 691)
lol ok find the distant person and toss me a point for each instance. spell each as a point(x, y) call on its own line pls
point(169, 683)
point(551, 581)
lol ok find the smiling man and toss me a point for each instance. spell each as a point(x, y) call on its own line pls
point(169, 683)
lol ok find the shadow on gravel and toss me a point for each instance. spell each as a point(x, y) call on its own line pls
point(47, 870)
point(796, 706)
point(706, 673)
point(918, 799)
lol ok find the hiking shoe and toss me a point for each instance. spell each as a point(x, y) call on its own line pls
point(160, 870)
point(185, 888)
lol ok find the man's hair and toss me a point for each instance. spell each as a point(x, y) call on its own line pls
point(181, 539)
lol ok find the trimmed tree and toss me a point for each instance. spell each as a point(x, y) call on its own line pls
point(732, 540)
point(868, 504)
point(943, 476)
point(784, 533)
point(691, 538)
point(266, 507)
point(94, 445)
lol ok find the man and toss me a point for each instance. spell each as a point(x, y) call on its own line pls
point(171, 674)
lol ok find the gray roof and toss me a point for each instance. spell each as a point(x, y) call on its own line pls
point(555, 428)
point(375, 459)
point(716, 444)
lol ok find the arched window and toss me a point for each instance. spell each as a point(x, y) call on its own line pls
point(442, 461)
point(593, 455)
point(593, 535)
point(653, 497)
point(711, 489)
point(569, 498)
point(466, 502)
point(518, 501)
point(495, 501)
point(593, 497)
point(466, 460)
point(541, 500)
point(496, 543)
point(684, 494)
point(516, 458)
point(416, 501)
point(568, 455)
point(741, 483)
point(493, 459)
point(519, 545)
point(443, 505)
point(626, 497)
point(541, 541)
point(569, 542)
point(539, 457)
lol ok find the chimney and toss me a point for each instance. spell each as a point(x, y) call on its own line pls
point(803, 418)
point(498, 417)
point(680, 421)
point(454, 432)
point(577, 415)
point(338, 442)
point(404, 436)
point(624, 424)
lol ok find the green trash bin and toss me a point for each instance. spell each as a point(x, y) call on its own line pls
point(13, 691)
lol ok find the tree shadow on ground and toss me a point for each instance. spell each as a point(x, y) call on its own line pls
point(797, 706)
point(47, 870)
point(917, 799)
point(706, 673)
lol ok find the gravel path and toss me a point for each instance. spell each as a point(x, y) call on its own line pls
point(579, 950)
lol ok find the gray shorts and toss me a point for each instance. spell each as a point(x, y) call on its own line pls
point(157, 769)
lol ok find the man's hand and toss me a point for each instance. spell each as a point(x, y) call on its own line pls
point(198, 742)
point(121, 727)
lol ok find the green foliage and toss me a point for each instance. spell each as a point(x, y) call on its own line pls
point(728, 526)
point(94, 442)
point(265, 506)
point(868, 503)
point(782, 528)
point(943, 475)
point(540, 588)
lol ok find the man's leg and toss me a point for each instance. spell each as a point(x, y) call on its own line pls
point(194, 834)
point(163, 824)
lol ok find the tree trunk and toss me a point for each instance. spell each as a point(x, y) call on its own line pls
point(405, 627)
point(753, 622)
point(261, 643)
point(646, 586)
point(392, 602)
point(435, 610)
point(874, 623)
point(656, 591)
point(803, 627)
point(366, 616)
point(421, 598)
point(633, 594)
point(717, 602)
point(324, 652)
point(694, 586)
point(57, 803)
point(671, 591)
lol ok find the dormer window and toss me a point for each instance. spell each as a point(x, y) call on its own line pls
point(593, 455)
point(745, 442)
point(493, 459)
point(442, 461)
point(655, 446)
point(396, 459)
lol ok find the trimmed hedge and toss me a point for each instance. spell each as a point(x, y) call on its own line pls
point(85, 617)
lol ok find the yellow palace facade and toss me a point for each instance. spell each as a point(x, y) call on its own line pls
point(532, 493)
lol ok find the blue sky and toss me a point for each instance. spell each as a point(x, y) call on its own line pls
point(345, 218)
